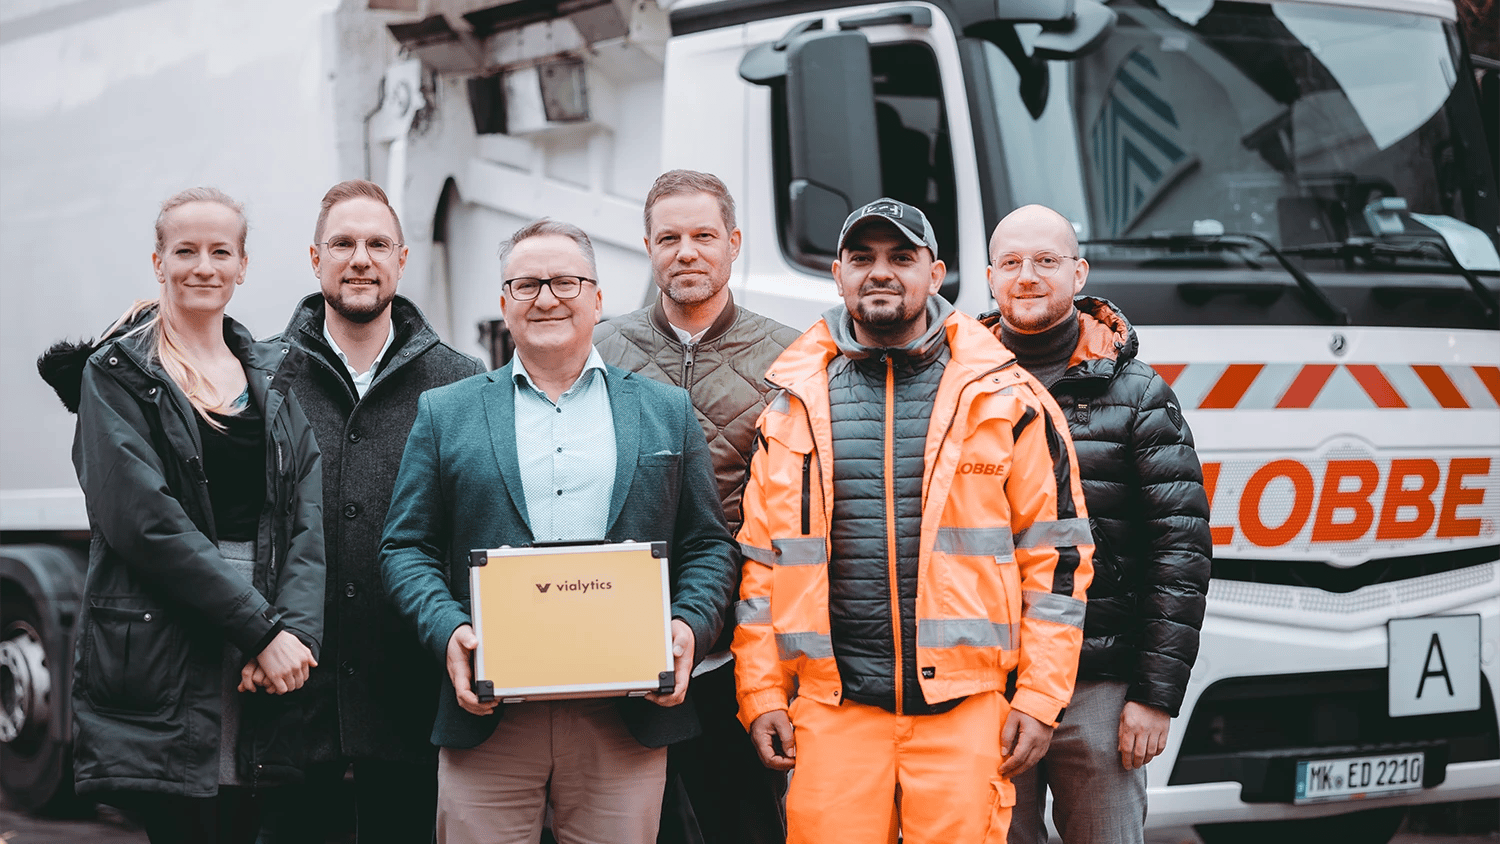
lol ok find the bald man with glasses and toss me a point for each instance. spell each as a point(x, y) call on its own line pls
point(1148, 512)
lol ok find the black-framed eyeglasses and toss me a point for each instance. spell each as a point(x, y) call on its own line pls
point(563, 286)
point(342, 248)
point(1045, 263)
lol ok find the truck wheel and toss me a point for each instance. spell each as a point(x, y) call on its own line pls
point(35, 768)
point(1372, 826)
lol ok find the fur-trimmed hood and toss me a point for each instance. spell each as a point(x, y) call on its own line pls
point(61, 366)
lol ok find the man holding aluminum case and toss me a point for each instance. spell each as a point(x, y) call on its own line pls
point(554, 446)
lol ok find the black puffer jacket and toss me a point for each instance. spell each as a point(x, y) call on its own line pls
point(870, 445)
point(1144, 489)
point(159, 601)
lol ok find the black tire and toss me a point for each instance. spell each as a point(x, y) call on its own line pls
point(36, 768)
point(1372, 826)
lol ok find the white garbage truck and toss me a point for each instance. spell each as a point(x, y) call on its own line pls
point(1294, 202)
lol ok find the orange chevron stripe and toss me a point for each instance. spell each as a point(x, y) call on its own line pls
point(1490, 375)
point(1375, 385)
point(1231, 386)
point(1305, 387)
point(1442, 387)
point(1169, 371)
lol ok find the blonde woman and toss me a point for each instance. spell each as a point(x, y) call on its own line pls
point(203, 602)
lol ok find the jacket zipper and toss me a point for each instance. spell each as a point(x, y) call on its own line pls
point(807, 493)
point(890, 520)
point(688, 351)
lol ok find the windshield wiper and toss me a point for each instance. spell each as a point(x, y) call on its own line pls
point(1242, 242)
point(1426, 247)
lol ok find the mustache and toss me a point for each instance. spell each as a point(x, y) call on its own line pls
point(881, 287)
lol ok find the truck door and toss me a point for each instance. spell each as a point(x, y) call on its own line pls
point(862, 104)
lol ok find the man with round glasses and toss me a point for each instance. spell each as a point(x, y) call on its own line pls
point(1149, 516)
point(372, 698)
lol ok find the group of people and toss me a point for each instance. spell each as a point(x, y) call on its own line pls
point(931, 565)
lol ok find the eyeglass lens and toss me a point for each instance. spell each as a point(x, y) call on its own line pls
point(563, 287)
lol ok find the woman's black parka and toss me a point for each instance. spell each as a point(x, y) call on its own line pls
point(160, 602)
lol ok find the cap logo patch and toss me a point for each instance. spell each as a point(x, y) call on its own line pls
point(887, 208)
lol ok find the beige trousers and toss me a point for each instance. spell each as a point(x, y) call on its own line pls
point(577, 756)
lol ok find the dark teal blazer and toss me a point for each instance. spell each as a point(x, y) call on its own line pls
point(459, 489)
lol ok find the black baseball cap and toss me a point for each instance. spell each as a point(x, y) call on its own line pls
point(909, 220)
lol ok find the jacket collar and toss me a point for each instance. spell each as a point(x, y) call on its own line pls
point(624, 406)
point(413, 333)
point(803, 366)
point(1106, 339)
point(719, 328)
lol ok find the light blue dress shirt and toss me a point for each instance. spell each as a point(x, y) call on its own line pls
point(567, 454)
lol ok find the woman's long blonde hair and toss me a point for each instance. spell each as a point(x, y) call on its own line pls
point(200, 391)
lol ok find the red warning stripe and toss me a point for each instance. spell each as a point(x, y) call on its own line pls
point(1306, 386)
point(1310, 380)
point(1169, 371)
point(1231, 386)
point(1490, 375)
point(1442, 387)
point(1375, 384)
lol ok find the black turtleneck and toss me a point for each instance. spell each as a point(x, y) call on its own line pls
point(1044, 354)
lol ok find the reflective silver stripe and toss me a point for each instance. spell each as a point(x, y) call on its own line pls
point(809, 551)
point(782, 403)
point(1058, 534)
point(764, 556)
point(977, 542)
point(810, 645)
point(954, 632)
point(1050, 606)
point(752, 611)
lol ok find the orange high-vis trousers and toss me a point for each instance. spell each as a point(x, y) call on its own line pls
point(863, 772)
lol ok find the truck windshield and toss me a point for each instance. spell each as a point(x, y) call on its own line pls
point(1315, 130)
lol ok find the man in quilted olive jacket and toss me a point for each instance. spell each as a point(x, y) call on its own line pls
point(697, 338)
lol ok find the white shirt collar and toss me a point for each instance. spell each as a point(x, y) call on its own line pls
point(362, 380)
point(595, 361)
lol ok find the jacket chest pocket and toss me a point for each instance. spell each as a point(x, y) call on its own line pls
point(134, 660)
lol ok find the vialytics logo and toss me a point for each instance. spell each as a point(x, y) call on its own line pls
point(576, 586)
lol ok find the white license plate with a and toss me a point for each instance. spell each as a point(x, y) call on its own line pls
point(1320, 780)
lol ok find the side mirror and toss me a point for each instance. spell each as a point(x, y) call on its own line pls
point(834, 152)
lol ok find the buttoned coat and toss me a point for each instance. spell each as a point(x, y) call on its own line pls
point(459, 488)
point(373, 694)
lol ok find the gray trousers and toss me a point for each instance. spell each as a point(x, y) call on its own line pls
point(1094, 799)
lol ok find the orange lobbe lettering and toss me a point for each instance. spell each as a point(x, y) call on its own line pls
point(979, 469)
point(1343, 505)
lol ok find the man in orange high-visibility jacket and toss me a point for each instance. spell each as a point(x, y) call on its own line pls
point(914, 532)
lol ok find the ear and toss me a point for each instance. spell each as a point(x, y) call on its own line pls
point(401, 261)
point(939, 272)
point(598, 304)
point(1080, 275)
point(161, 274)
point(244, 265)
point(838, 281)
point(313, 252)
point(734, 245)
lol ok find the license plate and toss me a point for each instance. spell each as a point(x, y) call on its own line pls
point(1320, 780)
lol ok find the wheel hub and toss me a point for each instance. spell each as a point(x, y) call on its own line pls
point(25, 683)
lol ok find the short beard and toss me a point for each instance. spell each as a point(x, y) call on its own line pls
point(692, 294)
point(359, 315)
point(1037, 325)
point(885, 317)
